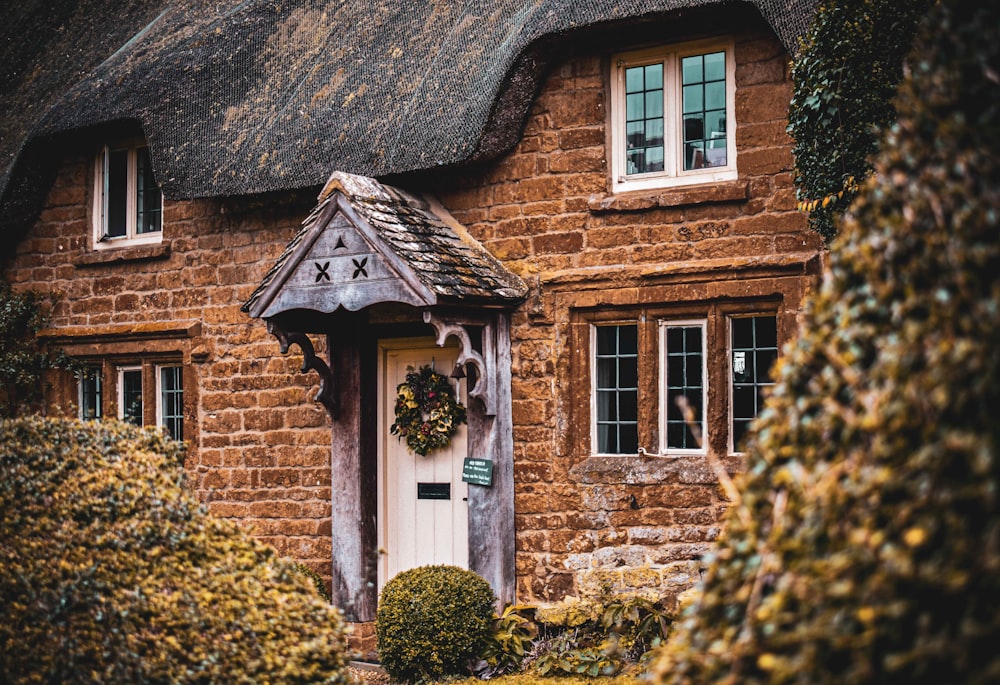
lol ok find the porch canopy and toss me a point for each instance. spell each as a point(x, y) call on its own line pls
point(366, 246)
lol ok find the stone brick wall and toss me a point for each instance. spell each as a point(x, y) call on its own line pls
point(588, 525)
point(259, 445)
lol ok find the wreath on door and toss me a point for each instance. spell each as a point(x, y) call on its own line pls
point(427, 412)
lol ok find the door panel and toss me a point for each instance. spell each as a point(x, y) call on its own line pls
point(423, 507)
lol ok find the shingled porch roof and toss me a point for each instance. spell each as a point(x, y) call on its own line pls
point(421, 255)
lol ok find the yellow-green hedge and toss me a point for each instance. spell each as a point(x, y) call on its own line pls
point(112, 572)
point(866, 545)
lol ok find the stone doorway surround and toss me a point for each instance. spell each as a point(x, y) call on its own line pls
point(365, 248)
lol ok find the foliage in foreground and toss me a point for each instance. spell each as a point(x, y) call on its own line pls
point(432, 622)
point(600, 637)
point(113, 573)
point(844, 80)
point(866, 546)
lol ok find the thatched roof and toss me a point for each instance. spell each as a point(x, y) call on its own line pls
point(249, 97)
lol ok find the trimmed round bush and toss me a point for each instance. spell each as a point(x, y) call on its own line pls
point(112, 571)
point(433, 621)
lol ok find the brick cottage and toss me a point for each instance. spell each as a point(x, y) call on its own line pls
point(581, 213)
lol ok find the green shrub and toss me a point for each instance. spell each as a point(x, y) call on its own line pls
point(112, 572)
point(844, 79)
point(510, 639)
point(433, 621)
point(864, 547)
point(23, 361)
point(598, 637)
point(315, 580)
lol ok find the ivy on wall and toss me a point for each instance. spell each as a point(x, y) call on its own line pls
point(844, 80)
point(22, 360)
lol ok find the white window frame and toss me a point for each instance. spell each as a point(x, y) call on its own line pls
point(594, 438)
point(664, 324)
point(673, 174)
point(159, 395)
point(122, 370)
point(102, 241)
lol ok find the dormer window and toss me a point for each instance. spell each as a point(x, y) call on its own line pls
point(128, 207)
point(673, 116)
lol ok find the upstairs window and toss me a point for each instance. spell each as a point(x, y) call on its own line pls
point(128, 206)
point(673, 116)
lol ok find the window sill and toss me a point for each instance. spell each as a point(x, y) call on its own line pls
point(122, 255)
point(729, 191)
point(646, 469)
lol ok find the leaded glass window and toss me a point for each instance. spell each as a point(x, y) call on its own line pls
point(171, 401)
point(130, 395)
point(703, 82)
point(672, 116)
point(684, 369)
point(753, 351)
point(616, 388)
point(90, 393)
point(644, 118)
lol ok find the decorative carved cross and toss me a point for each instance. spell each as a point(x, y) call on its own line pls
point(322, 273)
point(359, 268)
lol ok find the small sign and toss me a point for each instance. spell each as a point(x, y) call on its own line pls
point(478, 471)
point(433, 490)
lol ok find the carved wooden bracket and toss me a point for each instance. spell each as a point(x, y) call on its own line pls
point(286, 339)
point(485, 363)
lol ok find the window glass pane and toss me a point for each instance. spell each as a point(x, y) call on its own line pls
point(148, 198)
point(635, 134)
point(715, 125)
point(715, 95)
point(715, 66)
point(616, 383)
point(694, 155)
point(691, 68)
point(634, 107)
point(654, 132)
point(90, 393)
point(694, 128)
point(753, 352)
point(654, 159)
point(628, 340)
point(654, 76)
point(742, 333)
point(172, 401)
point(131, 396)
point(654, 104)
point(693, 98)
point(628, 439)
point(633, 80)
point(607, 405)
point(116, 193)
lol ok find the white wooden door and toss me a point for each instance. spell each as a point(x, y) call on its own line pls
point(423, 502)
